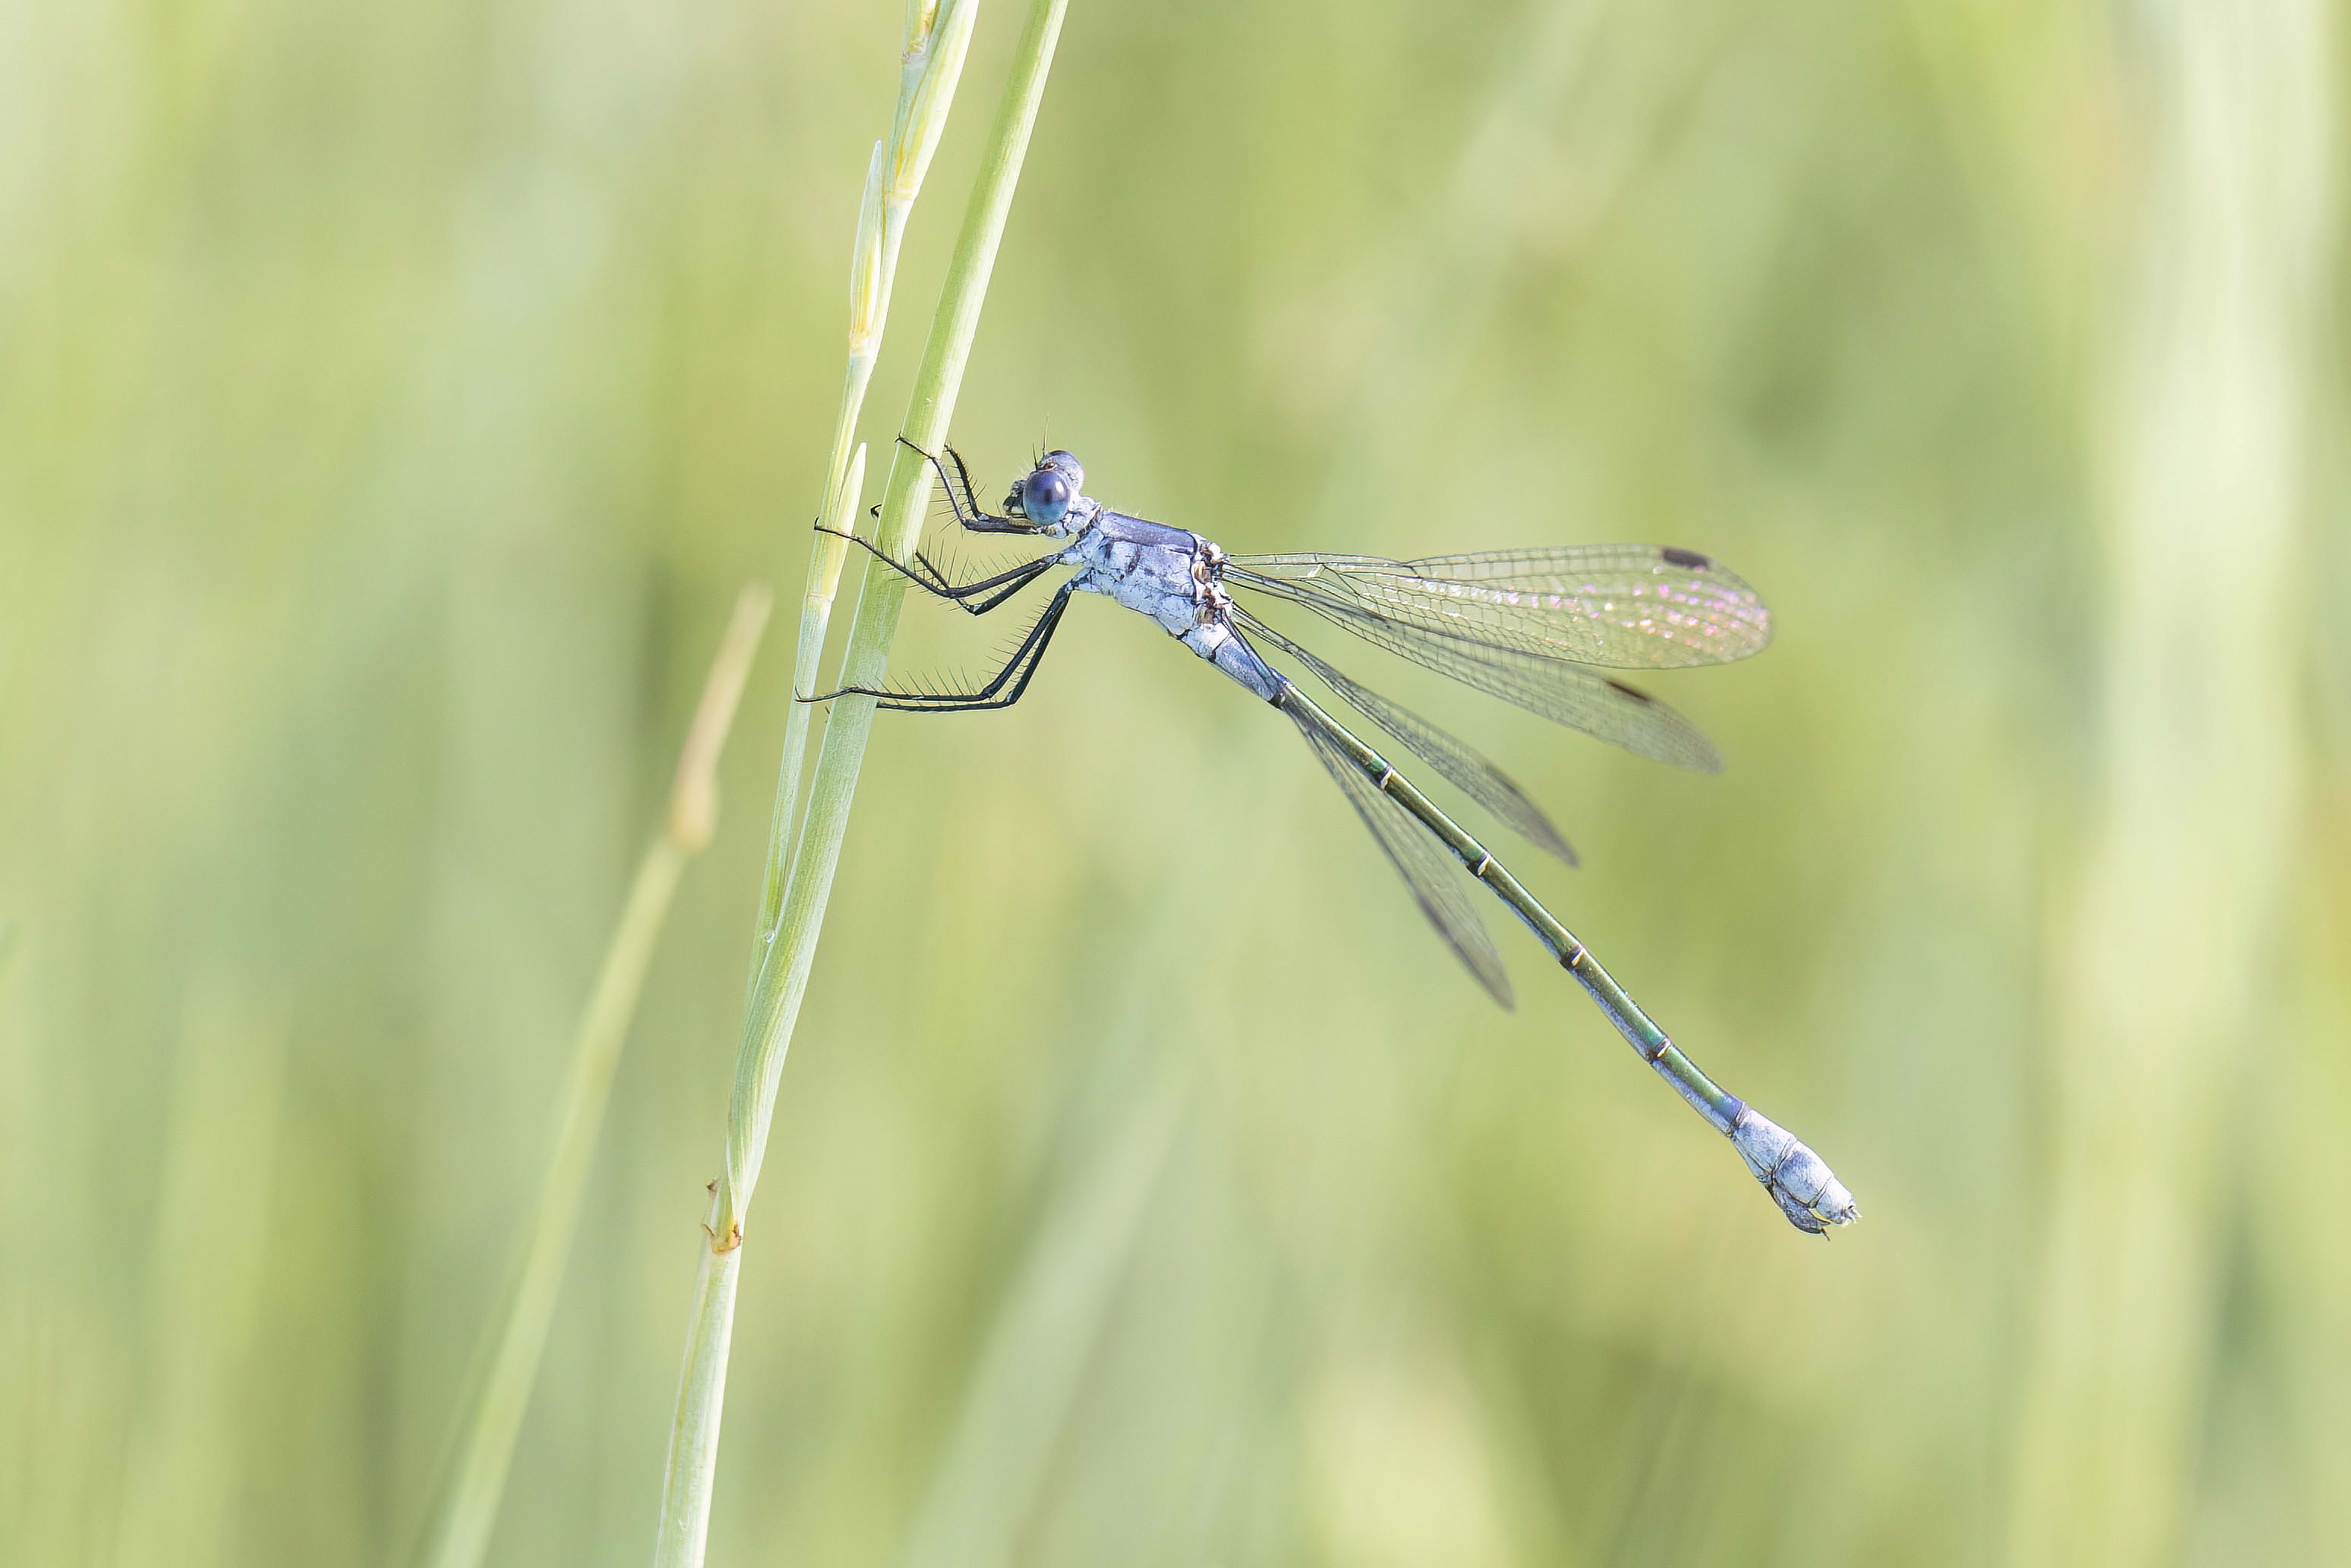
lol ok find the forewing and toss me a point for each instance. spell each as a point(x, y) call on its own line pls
point(1453, 760)
point(1570, 694)
point(1433, 876)
point(1627, 607)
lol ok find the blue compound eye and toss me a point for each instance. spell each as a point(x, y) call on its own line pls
point(1045, 496)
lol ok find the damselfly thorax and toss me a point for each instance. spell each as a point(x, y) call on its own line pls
point(1174, 576)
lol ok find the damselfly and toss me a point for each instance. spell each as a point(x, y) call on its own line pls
point(1526, 625)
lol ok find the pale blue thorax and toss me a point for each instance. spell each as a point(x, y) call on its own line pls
point(1172, 575)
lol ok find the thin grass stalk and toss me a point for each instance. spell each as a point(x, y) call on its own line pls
point(206, 1278)
point(2164, 1004)
point(470, 1509)
point(816, 616)
point(784, 962)
point(929, 412)
point(1021, 1406)
point(930, 67)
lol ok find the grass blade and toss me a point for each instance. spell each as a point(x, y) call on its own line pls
point(470, 1507)
point(784, 961)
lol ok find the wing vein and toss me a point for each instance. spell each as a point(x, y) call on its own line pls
point(1563, 693)
point(1617, 606)
point(1434, 878)
point(1456, 760)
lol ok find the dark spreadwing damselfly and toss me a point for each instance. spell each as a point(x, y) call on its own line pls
point(1533, 627)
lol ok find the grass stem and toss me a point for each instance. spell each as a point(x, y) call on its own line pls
point(470, 1507)
point(931, 65)
point(784, 959)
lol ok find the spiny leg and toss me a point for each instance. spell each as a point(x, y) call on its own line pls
point(1017, 673)
point(967, 510)
point(925, 575)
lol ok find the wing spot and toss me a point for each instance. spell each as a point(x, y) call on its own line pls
point(1676, 556)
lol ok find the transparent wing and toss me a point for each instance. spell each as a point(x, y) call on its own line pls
point(1433, 876)
point(1626, 607)
point(1604, 708)
point(1453, 760)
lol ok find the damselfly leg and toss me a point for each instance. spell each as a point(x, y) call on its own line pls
point(965, 500)
point(1002, 690)
point(925, 575)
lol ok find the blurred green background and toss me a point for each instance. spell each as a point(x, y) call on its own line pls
point(393, 397)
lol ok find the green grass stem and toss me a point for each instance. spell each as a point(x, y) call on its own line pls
point(207, 1278)
point(2164, 1006)
point(784, 960)
point(996, 1464)
point(929, 412)
point(930, 68)
point(470, 1507)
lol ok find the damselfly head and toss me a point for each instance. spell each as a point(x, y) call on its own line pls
point(1043, 498)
